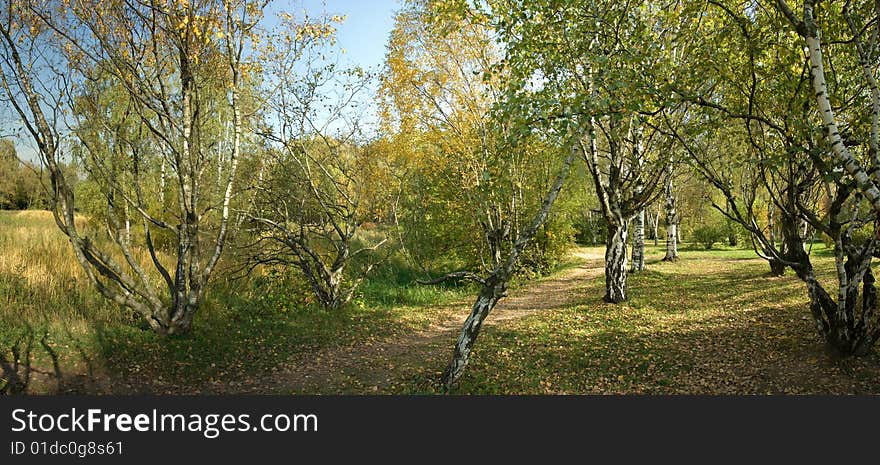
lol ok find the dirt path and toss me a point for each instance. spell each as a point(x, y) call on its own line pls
point(380, 366)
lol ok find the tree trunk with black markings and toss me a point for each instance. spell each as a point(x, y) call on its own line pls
point(615, 263)
point(671, 223)
point(638, 252)
point(490, 294)
point(173, 103)
point(495, 286)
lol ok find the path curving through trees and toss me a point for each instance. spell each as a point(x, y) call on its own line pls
point(379, 366)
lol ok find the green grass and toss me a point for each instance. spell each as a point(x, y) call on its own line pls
point(51, 317)
point(714, 322)
point(395, 286)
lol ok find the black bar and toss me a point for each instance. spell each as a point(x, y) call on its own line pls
point(461, 429)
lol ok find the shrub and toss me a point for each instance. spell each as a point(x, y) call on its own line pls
point(707, 235)
point(548, 248)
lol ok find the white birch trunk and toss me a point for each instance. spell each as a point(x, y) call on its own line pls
point(615, 262)
point(839, 150)
point(671, 223)
point(638, 251)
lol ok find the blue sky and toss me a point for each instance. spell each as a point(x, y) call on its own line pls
point(365, 31)
point(363, 35)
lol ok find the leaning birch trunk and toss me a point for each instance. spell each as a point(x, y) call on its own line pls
point(495, 286)
point(671, 223)
point(839, 322)
point(615, 262)
point(638, 252)
point(839, 150)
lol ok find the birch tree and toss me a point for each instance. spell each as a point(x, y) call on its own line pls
point(467, 195)
point(764, 81)
point(444, 77)
point(602, 64)
point(850, 323)
point(638, 248)
point(173, 63)
point(319, 167)
point(671, 215)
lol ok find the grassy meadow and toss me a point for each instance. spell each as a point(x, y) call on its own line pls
point(58, 333)
point(714, 322)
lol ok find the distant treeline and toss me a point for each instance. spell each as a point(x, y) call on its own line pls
point(21, 182)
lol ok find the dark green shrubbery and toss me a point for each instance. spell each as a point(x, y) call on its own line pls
point(708, 234)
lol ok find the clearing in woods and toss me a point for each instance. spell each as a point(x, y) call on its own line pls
point(712, 323)
point(388, 366)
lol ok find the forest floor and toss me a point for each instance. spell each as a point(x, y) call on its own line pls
point(399, 363)
point(712, 323)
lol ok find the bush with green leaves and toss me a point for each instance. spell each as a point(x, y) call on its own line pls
point(549, 247)
point(708, 234)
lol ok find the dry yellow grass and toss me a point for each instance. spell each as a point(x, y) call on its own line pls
point(40, 278)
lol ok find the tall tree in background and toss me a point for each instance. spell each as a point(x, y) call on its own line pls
point(638, 247)
point(21, 183)
point(435, 105)
point(466, 198)
point(671, 218)
point(442, 83)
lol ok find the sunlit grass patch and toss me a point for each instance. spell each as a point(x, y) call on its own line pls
point(713, 322)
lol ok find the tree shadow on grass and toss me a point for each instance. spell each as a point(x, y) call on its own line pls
point(232, 338)
point(683, 331)
point(31, 362)
point(34, 342)
point(760, 351)
point(16, 362)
